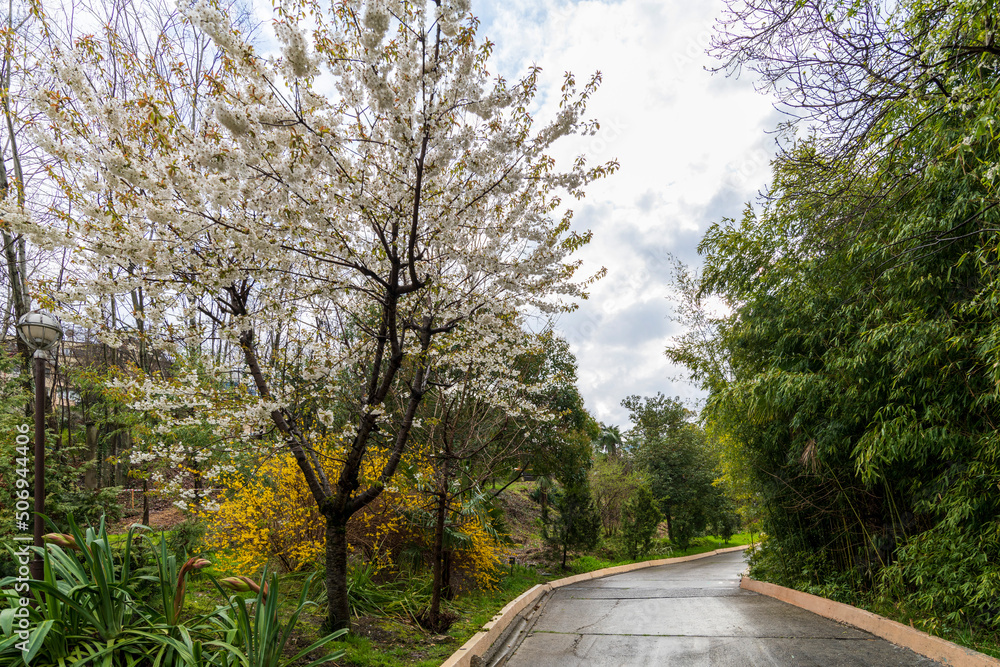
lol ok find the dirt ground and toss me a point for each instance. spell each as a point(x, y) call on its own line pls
point(162, 514)
point(524, 520)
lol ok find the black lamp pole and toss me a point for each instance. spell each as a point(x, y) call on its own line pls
point(40, 332)
point(37, 565)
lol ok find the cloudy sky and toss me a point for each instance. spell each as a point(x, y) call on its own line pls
point(694, 148)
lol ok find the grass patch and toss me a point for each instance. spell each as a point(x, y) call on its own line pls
point(363, 652)
point(702, 544)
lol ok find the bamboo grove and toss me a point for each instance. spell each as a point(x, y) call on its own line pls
point(854, 373)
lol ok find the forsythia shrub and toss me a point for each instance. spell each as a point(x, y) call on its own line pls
point(271, 515)
point(483, 557)
point(380, 530)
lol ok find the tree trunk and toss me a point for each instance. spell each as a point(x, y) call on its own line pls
point(198, 486)
point(121, 458)
point(145, 502)
point(102, 450)
point(90, 478)
point(339, 614)
point(434, 613)
point(15, 246)
point(543, 500)
point(446, 589)
point(115, 445)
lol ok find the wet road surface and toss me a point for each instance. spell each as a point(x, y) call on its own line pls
point(692, 613)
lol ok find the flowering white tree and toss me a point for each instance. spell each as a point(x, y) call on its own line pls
point(342, 213)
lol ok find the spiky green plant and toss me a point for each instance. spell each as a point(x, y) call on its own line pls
point(260, 633)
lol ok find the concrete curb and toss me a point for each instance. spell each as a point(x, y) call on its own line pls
point(917, 641)
point(481, 642)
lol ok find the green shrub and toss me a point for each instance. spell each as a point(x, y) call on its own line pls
point(185, 538)
point(576, 523)
point(612, 483)
point(639, 521)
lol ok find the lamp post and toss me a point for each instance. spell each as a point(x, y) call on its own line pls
point(41, 332)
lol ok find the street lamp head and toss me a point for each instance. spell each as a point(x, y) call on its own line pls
point(39, 330)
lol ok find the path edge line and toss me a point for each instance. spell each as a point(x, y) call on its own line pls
point(917, 641)
point(480, 643)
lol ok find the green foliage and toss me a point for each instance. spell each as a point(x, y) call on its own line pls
point(560, 447)
point(680, 464)
point(89, 613)
point(575, 523)
point(863, 392)
point(65, 463)
point(724, 519)
point(946, 574)
point(13, 398)
point(613, 480)
point(87, 607)
point(641, 519)
point(401, 598)
point(810, 571)
point(65, 496)
point(91, 599)
point(609, 440)
point(260, 636)
point(860, 359)
point(185, 538)
point(561, 453)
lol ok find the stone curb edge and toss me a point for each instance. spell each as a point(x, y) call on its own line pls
point(492, 631)
point(917, 641)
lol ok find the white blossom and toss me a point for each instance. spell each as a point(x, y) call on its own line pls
point(306, 199)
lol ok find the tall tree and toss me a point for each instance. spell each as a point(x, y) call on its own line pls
point(366, 224)
point(19, 164)
point(476, 426)
point(679, 463)
point(576, 523)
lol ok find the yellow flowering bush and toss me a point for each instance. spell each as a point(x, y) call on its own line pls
point(482, 558)
point(271, 515)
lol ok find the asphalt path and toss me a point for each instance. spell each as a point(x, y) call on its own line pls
point(692, 613)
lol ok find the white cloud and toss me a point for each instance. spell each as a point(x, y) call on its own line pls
point(693, 148)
